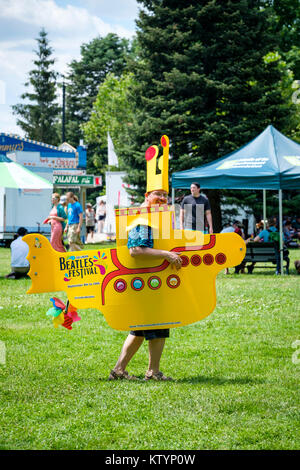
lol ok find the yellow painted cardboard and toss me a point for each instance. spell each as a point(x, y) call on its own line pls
point(139, 293)
point(158, 179)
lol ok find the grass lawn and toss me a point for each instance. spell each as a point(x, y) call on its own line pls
point(236, 386)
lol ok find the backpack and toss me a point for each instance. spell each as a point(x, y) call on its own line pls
point(274, 237)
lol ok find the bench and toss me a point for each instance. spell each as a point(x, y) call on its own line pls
point(258, 252)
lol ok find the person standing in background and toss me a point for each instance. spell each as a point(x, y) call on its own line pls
point(57, 219)
point(75, 221)
point(100, 215)
point(189, 218)
point(63, 202)
point(90, 221)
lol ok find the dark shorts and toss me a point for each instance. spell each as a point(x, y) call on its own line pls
point(151, 334)
point(90, 229)
point(101, 217)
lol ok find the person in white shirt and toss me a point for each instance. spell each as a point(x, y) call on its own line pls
point(19, 251)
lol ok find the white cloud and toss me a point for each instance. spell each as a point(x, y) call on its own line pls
point(63, 20)
point(68, 25)
point(119, 9)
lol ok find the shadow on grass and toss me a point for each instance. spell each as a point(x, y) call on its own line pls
point(260, 272)
point(4, 278)
point(198, 379)
point(220, 380)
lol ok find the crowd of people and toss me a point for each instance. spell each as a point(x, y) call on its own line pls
point(66, 218)
point(268, 232)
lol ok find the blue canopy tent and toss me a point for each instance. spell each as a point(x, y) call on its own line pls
point(270, 161)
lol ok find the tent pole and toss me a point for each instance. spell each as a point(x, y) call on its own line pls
point(173, 196)
point(280, 231)
point(265, 208)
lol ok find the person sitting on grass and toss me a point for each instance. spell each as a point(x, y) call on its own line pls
point(140, 243)
point(19, 251)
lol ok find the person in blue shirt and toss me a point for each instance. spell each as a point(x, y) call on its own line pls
point(264, 235)
point(75, 220)
point(140, 243)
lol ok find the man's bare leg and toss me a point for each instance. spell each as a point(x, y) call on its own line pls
point(156, 347)
point(130, 347)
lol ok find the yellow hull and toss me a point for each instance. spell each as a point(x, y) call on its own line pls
point(138, 293)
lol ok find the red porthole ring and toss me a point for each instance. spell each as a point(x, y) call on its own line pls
point(185, 261)
point(137, 283)
point(120, 285)
point(173, 281)
point(208, 259)
point(154, 282)
point(221, 258)
point(196, 260)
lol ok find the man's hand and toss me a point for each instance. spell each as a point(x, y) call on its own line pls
point(78, 229)
point(209, 221)
point(181, 218)
point(174, 259)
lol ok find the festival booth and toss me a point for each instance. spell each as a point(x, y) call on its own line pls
point(15, 181)
point(62, 166)
point(270, 161)
point(137, 292)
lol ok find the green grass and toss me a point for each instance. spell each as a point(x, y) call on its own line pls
point(235, 386)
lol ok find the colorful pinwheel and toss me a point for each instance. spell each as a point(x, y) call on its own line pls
point(62, 314)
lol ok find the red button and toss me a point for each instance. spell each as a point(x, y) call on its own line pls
point(208, 259)
point(196, 260)
point(185, 260)
point(221, 258)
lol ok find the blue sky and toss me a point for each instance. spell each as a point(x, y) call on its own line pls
point(69, 23)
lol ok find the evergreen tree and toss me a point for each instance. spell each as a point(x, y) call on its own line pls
point(38, 117)
point(287, 22)
point(202, 79)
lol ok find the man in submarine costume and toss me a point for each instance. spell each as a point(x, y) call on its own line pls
point(157, 277)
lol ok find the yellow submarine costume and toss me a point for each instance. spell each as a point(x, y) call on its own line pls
point(138, 293)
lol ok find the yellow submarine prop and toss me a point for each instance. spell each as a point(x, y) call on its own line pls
point(138, 293)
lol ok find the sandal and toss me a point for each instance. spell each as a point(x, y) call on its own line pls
point(123, 375)
point(158, 376)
